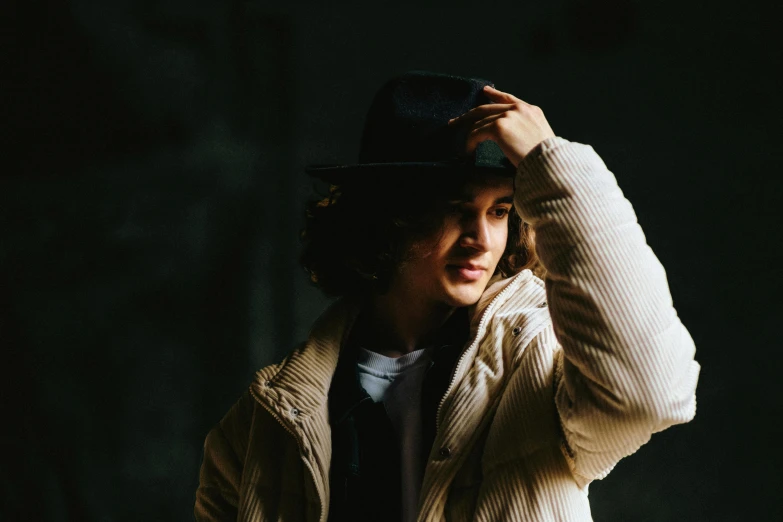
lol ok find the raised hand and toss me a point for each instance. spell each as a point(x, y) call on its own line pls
point(517, 127)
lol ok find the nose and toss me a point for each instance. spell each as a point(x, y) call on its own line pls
point(475, 233)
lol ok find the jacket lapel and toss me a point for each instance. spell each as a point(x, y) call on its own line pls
point(295, 391)
point(501, 329)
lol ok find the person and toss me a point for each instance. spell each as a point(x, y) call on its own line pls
point(503, 335)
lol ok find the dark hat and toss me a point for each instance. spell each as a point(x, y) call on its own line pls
point(406, 131)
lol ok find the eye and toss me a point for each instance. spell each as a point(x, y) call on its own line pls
point(500, 212)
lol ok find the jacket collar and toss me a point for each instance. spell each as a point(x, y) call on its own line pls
point(346, 391)
point(304, 378)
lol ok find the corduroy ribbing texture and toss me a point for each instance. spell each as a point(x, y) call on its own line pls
point(562, 379)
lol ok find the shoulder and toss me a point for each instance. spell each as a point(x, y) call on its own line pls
point(236, 423)
point(240, 415)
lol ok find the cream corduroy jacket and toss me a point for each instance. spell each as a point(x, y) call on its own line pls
point(560, 381)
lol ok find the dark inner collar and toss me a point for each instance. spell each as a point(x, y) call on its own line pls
point(346, 392)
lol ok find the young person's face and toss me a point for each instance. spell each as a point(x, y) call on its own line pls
point(454, 266)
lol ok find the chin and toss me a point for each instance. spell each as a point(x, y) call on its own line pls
point(465, 295)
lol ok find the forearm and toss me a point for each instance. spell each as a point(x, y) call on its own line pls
point(628, 361)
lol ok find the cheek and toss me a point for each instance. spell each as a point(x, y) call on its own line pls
point(436, 250)
point(500, 243)
point(422, 266)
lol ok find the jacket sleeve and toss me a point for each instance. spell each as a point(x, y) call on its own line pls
point(625, 367)
point(217, 496)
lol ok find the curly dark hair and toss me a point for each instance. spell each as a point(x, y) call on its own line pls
point(358, 234)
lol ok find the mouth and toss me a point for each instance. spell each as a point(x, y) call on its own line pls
point(467, 272)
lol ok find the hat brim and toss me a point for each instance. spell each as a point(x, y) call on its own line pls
point(337, 174)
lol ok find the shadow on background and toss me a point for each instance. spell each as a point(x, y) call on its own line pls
point(152, 192)
point(136, 239)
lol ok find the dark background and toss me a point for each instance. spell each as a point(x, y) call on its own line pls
point(151, 194)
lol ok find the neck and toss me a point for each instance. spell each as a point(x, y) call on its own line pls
point(397, 324)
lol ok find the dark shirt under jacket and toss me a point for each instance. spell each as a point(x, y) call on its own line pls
point(365, 472)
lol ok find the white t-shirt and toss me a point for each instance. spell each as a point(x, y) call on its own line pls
point(397, 383)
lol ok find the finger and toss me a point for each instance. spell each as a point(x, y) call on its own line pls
point(500, 96)
point(485, 127)
point(489, 119)
point(482, 111)
point(480, 134)
point(491, 131)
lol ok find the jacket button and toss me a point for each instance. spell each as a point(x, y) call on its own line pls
point(294, 411)
point(268, 384)
point(445, 452)
point(517, 330)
